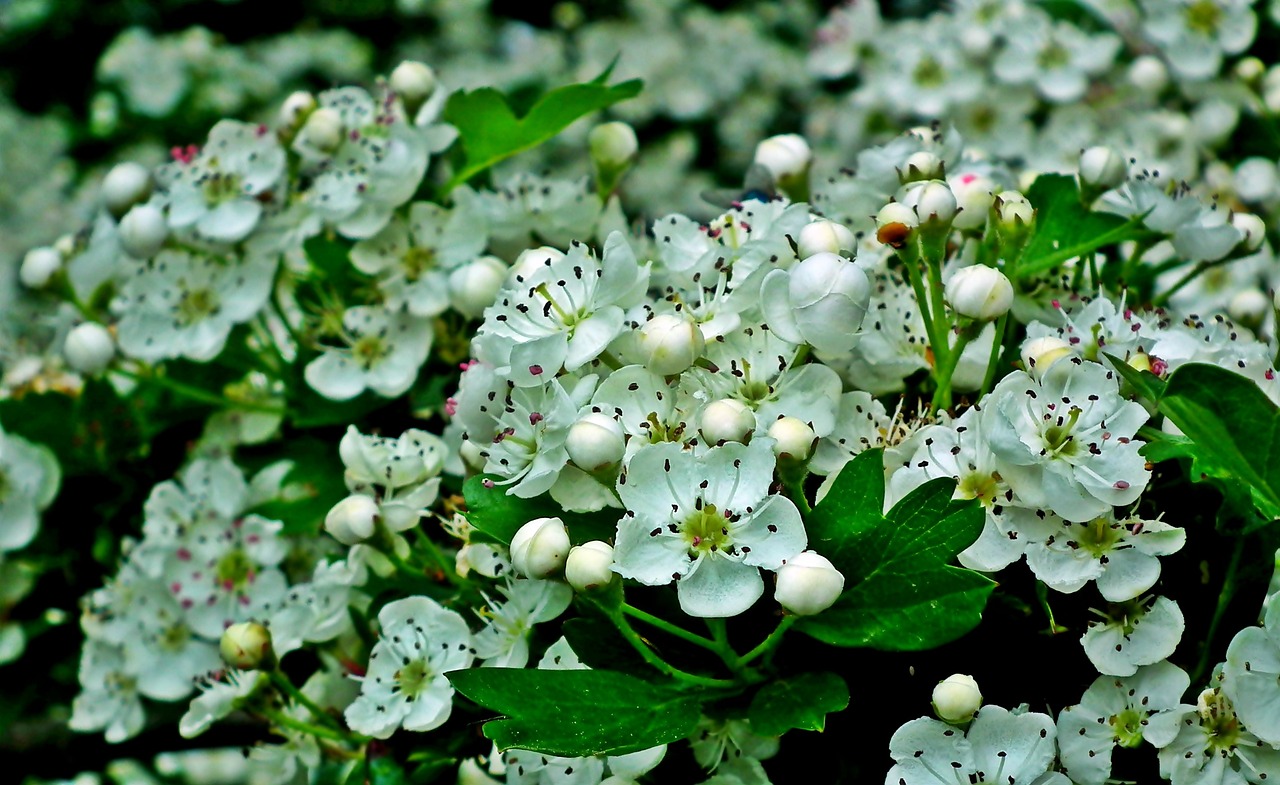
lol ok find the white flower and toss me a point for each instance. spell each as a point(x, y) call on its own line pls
point(405, 685)
point(504, 640)
point(1006, 747)
point(410, 459)
point(1212, 745)
point(1058, 58)
point(29, 480)
point(383, 352)
point(533, 426)
point(183, 304)
point(1250, 673)
point(220, 693)
point(708, 523)
point(109, 698)
point(1121, 555)
point(1134, 633)
point(1194, 34)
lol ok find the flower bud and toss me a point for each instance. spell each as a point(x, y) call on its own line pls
point(323, 130)
point(474, 286)
point(1101, 168)
point(922, 165)
point(89, 348)
point(894, 223)
point(1039, 354)
point(1249, 69)
point(1148, 74)
point(792, 437)
point(1249, 307)
point(957, 698)
point(807, 584)
point(143, 231)
point(296, 108)
point(1013, 212)
point(933, 202)
point(1252, 228)
point(539, 548)
point(974, 195)
point(38, 266)
point(824, 236)
point(595, 442)
point(786, 156)
point(979, 292)
point(352, 520)
point(1254, 180)
point(670, 344)
point(726, 420)
point(247, 646)
point(124, 186)
point(589, 566)
point(613, 145)
point(413, 81)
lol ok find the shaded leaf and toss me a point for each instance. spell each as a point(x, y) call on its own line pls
point(801, 701)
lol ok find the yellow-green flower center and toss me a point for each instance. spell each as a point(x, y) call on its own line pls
point(706, 531)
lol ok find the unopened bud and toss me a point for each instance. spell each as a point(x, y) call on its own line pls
point(1039, 354)
point(413, 81)
point(824, 236)
point(352, 520)
point(1013, 212)
point(808, 583)
point(1101, 168)
point(792, 437)
point(670, 344)
point(785, 156)
point(1249, 307)
point(323, 130)
point(613, 145)
point(296, 108)
point(933, 202)
point(979, 292)
point(894, 224)
point(726, 420)
point(1249, 69)
point(38, 266)
point(922, 165)
point(143, 231)
point(540, 547)
point(1252, 228)
point(247, 646)
point(595, 442)
point(1148, 73)
point(474, 286)
point(589, 566)
point(974, 195)
point(957, 698)
point(88, 348)
point(124, 186)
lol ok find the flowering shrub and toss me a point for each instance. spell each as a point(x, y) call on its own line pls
point(373, 437)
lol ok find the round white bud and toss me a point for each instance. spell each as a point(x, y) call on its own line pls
point(1249, 69)
point(979, 292)
point(474, 286)
point(1039, 354)
point(89, 348)
point(823, 236)
point(808, 583)
point(353, 520)
point(1255, 179)
point(613, 144)
point(529, 260)
point(296, 108)
point(323, 129)
point(894, 223)
point(974, 195)
point(1013, 211)
point(670, 343)
point(38, 266)
point(247, 646)
point(595, 442)
point(589, 565)
point(785, 156)
point(413, 81)
point(539, 548)
point(1252, 228)
point(143, 231)
point(932, 200)
point(726, 420)
point(1148, 73)
point(1249, 307)
point(124, 186)
point(792, 437)
point(957, 698)
point(1101, 167)
point(922, 165)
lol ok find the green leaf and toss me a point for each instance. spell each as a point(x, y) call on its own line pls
point(308, 491)
point(490, 131)
point(89, 433)
point(801, 701)
point(576, 713)
point(1234, 425)
point(1065, 228)
point(494, 512)
point(901, 594)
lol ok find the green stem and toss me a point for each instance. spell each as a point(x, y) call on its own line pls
point(651, 657)
point(1186, 279)
point(770, 643)
point(196, 393)
point(285, 721)
point(942, 395)
point(1042, 595)
point(922, 301)
point(284, 685)
point(422, 543)
point(669, 628)
point(1224, 599)
point(720, 633)
point(992, 359)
